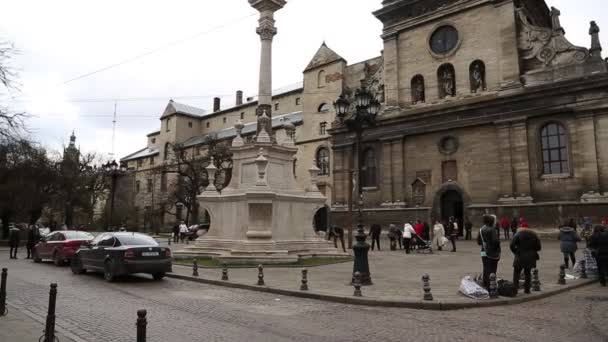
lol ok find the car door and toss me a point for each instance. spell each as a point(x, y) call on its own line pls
point(99, 252)
point(49, 246)
point(87, 254)
point(42, 247)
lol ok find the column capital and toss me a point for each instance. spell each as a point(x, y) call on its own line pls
point(267, 5)
point(266, 30)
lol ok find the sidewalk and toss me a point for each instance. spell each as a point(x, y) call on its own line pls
point(396, 278)
point(17, 327)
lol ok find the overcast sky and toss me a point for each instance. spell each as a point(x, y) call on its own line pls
point(218, 53)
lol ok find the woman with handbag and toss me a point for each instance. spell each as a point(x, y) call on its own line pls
point(438, 235)
point(490, 248)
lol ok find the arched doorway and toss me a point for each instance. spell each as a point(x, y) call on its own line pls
point(320, 220)
point(452, 204)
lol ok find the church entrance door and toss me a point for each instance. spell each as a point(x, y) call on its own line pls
point(452, 204)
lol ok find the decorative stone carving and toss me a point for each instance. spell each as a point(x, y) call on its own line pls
point(266, 30)
point(547, 46)
point(238, 140)
point(211, 170)
point(478, 77)
point(447, 81)
point(418, 89)
point(290, 132)
point(596, 46)
point(374, 79)
point(418, 192)
point(448, 145)
point(314, 174)
point(261, 162)
point(264, 123)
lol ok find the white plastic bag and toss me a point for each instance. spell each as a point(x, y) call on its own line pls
point(471, 289)
point(444, 241)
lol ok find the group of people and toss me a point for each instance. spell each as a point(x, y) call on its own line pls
point(14, 239)
point(180, 232)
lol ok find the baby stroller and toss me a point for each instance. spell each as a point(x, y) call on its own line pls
point(421, 245)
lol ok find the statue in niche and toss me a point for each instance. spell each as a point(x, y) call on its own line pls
point(418, 90)
point(418, 191)
point(447, 82)
point(478, 77)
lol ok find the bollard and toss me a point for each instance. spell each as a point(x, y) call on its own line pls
point(304, 285)
point(583, 269)
point(260, 275)
point(535, 280)
point(224, 272)
point(3, 309)
point(49, 330)
point(169, 241)
point(142, 323)
point(493, 286)
point(194, 268)
point(357, 284)
point(426, 287)
point(562, 275)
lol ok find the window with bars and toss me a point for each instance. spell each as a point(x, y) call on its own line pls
point(323, 161)
point(323, 128)
point(554, 149)
point(137, 187)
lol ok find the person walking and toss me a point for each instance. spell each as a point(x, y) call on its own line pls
point(505, 224)
point(568, 238)
point(427, 231)
point(490, 248)
point(514, 225)
point(525, 246)
point(408, 232)
point(400, 235)
point(453, 232)
point(468, 227)
point(183, 231)
point(393, 236)
point(14, 236)
point(374, 232)
point(523, 223)
point(33, 236)
point(338, 233)
point(438, 235)
point(599, 243)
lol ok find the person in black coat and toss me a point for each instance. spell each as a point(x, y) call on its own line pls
point(490, 248)
point(14, 236)
point(599, 243)
point(468, 227)
point(175, 233)
point(374, 232)
point(525, 246)
point(33, 236)
point(336, 233)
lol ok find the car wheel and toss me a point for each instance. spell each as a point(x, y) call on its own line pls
point(108, 272)
point(76, 265)
point(158, 276)
point(36, 257)
point(57, 259)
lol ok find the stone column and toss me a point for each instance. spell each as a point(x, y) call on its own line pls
point(398, 171)
point(386, 173)
point(267, 31)
point(391, 71)
point(520, 158)
point(340, 174)
point(507, 189)
point(586, 151)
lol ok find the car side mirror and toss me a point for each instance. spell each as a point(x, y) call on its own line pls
point(86, 244)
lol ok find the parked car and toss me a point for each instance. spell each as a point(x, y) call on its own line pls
point(60, 246)
point(123, 253)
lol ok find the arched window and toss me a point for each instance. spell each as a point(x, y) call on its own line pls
point(323, 161)
point(321, 79)
point(167, 151)
point(477, 76)
point(554, 147)
point(446, 79)
point(368, 169)
point(418, 89)
point(324, 107)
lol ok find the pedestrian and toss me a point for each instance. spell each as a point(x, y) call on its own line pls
point(33, 236)
point(468, 227)
point(408, 232)
point(523, 223)
point(514, 225)
point(599, 243)
point(374, 232)
point(419, 228)
point(393, 236)
point(183, 231)
point(438, 235)
point(490, 248)
point(336, 233)
point(14, 236)
point(525, 246)
point(572, 223)
point(400, 234)
point(426, 235)
point(587, 229)
point(176, 233)
point(505, 224)
point(568, 238)
point(453, 232)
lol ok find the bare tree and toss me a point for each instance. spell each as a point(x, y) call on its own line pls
point(12, 124)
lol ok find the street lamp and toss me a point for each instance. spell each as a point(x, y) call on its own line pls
point(114, 171)
point(364, 115)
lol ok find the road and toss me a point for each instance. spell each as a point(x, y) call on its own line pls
point(89, 309)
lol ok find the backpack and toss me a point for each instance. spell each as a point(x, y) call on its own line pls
point(506, 288)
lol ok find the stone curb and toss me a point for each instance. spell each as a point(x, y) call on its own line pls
point(420, 305)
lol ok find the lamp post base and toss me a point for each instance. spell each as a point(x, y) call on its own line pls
point(361, 264)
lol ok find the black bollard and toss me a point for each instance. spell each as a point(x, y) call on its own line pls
point(169, 241)
point(357, 285)
point(426, 287)
point(224, 272)
point(493, 286)
point(194, 268)
point(260, 275)
point(361, 264)
point(535, 280)
point(142, 323)
point(562, 275)
point(304, 285)
point(49, 330)
point(3, 310)
point(583, 269)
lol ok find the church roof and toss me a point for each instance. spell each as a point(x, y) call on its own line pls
point(175, 108)
point(145, 152)
point(324, 56)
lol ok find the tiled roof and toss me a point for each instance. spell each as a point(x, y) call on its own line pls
point(324, 56)
point(145, 152)
point(184, 109)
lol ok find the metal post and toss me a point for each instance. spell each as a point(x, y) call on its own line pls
point(493, 286)
point(3, 310)
point(562, 275)
point(260, 275)
point(195, 268)
point(361, 263)
point(49, 330)
point(357, 284)
point(304, 285)
point(426, 287)
point(224, 272)
point(114, 176)
point(535, 280)
point(142, 323)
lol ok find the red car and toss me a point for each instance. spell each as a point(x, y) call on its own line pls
point(60, 246)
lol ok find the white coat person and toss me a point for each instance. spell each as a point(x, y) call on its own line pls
point(438, 235)
point(408, 232)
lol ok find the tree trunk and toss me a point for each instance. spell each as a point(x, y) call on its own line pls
point(6, 217)
point(195, 212)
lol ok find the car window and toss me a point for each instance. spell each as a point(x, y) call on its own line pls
point(59, 237)
point(51, 237)
point(78, 236)
point(97, 239)
point(136, 240)
point(106, 241)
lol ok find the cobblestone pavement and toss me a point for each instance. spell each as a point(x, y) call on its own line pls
point(89, 309)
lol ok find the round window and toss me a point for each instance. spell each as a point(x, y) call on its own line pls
point(448, 144)
point(444, 39)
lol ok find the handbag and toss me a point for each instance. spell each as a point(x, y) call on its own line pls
point(483, 245)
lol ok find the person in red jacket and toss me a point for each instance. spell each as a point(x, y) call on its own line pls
point(523, 223)
point(505, 224)
point(419, 228)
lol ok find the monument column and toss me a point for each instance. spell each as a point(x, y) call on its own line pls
point(266, 30)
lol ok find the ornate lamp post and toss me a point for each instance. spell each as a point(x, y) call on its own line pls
point(364, 115)
point(114, 171)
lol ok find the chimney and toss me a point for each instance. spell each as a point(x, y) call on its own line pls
point(239, 97)
point(216, 104)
